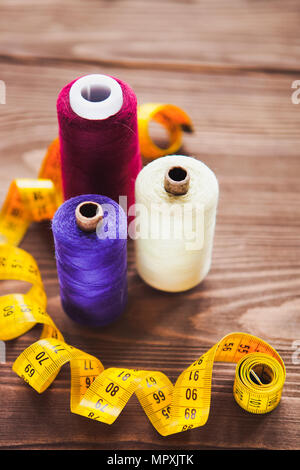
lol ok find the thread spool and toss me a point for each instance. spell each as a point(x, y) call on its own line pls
point(180, 192)
point(97, 116)
point(90, 237)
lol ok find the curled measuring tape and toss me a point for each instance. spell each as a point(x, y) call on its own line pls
point(32, 200)
point(101, 394)
point(172, 118)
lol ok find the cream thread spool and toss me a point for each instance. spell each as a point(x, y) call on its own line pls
point(174, 182)
point(88, 214)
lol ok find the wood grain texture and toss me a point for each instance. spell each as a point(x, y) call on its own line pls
point(231, 68)
point(161, 33)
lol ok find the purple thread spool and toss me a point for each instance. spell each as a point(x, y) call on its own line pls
point(90, 236)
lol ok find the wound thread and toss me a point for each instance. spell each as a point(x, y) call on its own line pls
point(175, 227)
point(98, 136)
point(91, 265)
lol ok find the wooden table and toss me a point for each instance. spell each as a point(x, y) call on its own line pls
point(230, 65)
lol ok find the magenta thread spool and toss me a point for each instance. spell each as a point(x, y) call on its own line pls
point(98, 134)
point(90, 237)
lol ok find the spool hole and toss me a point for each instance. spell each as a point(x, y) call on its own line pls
point(177, 173)
point(95, 93)
point(264, 374)
point(89, 210)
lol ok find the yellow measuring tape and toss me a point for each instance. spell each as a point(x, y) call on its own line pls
point(32, 200)
point(101, 394)
point(172, 118)
point(98, 393)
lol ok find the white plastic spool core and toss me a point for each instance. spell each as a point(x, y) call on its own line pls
point(96, 97)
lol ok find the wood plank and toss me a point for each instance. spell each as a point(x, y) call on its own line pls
point(247, 131)
point(192, 34)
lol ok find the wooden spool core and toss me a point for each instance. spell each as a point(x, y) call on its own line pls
point(88, 214)
point(177, 180)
